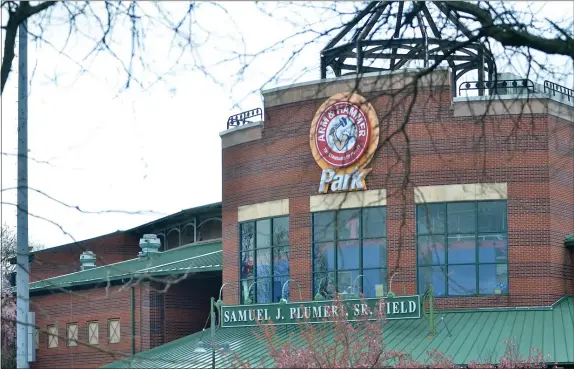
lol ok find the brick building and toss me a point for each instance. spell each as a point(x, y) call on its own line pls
point(387, 183)
point(122, 298)
point(484, 219)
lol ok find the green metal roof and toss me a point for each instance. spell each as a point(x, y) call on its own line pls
point(466, 335)
point(569, 241)
point(197, 257)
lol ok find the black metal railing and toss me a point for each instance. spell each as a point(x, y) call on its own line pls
point(554, 88)
point(501, 86)
point(243, 117)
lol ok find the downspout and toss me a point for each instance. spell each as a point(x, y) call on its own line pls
point(133, 303)
point(212, 328)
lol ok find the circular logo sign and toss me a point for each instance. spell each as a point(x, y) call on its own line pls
point(344, 132)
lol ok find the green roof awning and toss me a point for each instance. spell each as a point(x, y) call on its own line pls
point(193, 258)
point(569, 241)
point(466, 335)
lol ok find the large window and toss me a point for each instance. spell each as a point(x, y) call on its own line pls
point(463, 248)
point(264, 260)
point(349, 252)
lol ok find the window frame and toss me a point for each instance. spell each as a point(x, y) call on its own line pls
point(52, 337)
point(271, 248)
point(445, 237)
point(361, 239)
point(71, 342)
point(89, 334)
point(110, 331)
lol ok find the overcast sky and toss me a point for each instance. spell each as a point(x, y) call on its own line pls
point(157, 150)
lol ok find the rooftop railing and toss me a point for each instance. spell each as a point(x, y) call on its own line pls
point(244, 117)
point(499, 87)
point(554, 88)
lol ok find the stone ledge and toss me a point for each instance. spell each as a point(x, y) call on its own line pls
point(461, 192)
point(348, 200)
point(477, 106)
point(241, 134)
point(263, 210)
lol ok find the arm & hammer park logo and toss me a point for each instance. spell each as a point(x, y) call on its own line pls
point(344, 136)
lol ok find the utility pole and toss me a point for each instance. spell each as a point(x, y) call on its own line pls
point(22, 256)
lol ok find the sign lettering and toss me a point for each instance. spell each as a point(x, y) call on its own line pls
point(399, 307)
point(344, 137)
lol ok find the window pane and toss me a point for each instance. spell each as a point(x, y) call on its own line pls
point(493, 279)
point(375, 280)
point(461, 280)
point(72, 335)
point(279, 291)
point(324, 226)
point(93, 333)
point(374, 222)
point(347, 282)
point(348, 254)
point(247, 236)
point(114, 331)
point(263, 263)
point(435, 276)
point(263, 287)
point(324, 257)
point(492, 248)
point(247, 292)
point(263, 238)
point(433, 215)
point(431, 250)
point(461, 249)
point(247, 260)
point(281, 231)
point(348, 223)
point(492, 216)
point(324, 284)
point(374, 253)
point(461, 217)
point(281, 261)
point(52, 336)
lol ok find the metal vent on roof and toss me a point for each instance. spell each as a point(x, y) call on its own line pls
point(149, 244)
point(87, 260)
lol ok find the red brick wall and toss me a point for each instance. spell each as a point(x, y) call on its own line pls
point(187, 306)
point(83, 306)
point(161, 315)
point(561, 161)
point(66, 259)
point(444, 150)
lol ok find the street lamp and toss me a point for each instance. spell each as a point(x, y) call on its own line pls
point(283, 300)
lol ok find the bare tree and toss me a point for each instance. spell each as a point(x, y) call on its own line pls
point(9, 250)
point(507, 33)
point(103, 24)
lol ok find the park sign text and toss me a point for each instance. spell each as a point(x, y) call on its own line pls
point(343, 139)
point(399, 307)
